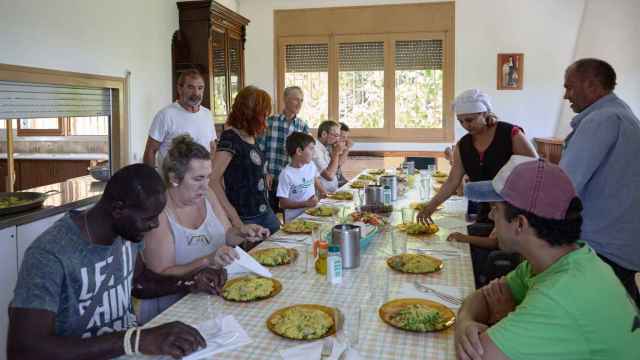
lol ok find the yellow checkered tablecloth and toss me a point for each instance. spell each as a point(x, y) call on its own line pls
point(377, 340)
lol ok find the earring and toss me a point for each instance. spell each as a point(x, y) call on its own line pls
point(174, 184)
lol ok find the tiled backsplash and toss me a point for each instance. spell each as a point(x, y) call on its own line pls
point(57, 147)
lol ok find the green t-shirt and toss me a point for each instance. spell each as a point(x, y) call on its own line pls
point(576, 309)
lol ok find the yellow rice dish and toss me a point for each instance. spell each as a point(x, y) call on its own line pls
point(12, 201)
point(341, 195)
point(365, 177)
point(415, 263)
point(376, 171)
point(300, 227)
point(248, 289)
point(359, 184)
point(301, 323)
point(273, 256)
point(417, 317)
point(416, 229)
point(323, 211)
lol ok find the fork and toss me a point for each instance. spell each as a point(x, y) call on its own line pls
point(423, 288)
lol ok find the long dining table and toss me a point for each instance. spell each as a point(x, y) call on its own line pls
point(302, 285)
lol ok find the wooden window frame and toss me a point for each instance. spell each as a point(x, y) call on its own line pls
point(61, 130)
point(119, 135)
point(389, 23)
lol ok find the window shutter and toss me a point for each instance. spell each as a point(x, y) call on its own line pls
point(19, 100)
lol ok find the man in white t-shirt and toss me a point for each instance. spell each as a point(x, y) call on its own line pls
point(186, 115)
point(327, 162)
point(299, 180)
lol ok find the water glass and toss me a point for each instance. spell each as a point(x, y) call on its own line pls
point(407, 215)
point(431, 168)
point(213, 308)
point(378, 278)
point(303, 259)
point(352, 318)
point(360, 197)
point(399, 243)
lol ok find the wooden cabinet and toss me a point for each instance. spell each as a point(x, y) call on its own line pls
point(211, 38)
point(33, 173)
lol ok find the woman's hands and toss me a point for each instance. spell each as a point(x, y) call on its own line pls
point(222, 257)
point(254, 232)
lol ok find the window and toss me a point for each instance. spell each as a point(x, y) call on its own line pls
point(307, 66)
point(388, 74)
point(64, 126)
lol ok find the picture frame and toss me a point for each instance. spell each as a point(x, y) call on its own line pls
point(510, 71)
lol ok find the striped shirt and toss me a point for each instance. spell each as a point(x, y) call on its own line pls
point(272, 143)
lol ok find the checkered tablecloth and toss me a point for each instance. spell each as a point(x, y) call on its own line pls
point(376, 339)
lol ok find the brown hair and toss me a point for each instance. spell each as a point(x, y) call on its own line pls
point(187, 74)
point(183, 150)
point(248, 109)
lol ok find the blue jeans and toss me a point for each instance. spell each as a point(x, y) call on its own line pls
point(267, 220)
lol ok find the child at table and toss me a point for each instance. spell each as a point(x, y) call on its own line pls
point(298, 181)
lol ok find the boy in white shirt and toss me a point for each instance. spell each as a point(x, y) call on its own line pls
point(298, 181)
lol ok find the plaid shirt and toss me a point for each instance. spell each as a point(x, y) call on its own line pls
point(272, 143)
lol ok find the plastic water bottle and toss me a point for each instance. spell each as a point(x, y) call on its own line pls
point(386, 195)
point(334, 265)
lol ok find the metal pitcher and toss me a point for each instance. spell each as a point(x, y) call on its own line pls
point(373, 195)
point(348, 237)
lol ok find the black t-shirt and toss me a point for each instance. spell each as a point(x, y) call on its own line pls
point(245, 177)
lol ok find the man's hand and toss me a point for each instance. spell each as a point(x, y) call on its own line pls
point(269, 182)
point(208, 280)
point(456, 236)
point(500, 300)
point(223, 256)
point(311, 202)
point(175, 339)
point(254, 232)
point(467, 340)
point(337, 149)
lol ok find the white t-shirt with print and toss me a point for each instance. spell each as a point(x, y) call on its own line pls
point(322, 158)
point(174, 120)
point(296, 184)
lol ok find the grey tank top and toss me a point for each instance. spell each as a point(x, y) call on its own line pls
point(189, 244)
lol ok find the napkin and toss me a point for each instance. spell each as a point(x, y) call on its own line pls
point(229, 324)
point(313, 351)
point(408, 290)
point(245, 263)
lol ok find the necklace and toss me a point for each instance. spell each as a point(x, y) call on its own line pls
point(86, 226)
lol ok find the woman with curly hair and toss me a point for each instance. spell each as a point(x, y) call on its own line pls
point(239, 169)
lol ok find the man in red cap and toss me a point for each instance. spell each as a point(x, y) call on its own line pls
point(563, 302)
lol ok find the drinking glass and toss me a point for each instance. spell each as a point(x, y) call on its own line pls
point(408, 215)
point(378, 279)
point(399, 243)
point(431, 168)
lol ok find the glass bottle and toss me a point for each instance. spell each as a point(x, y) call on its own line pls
point(321, 259)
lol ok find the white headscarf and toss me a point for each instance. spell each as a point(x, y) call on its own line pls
point(471, 101)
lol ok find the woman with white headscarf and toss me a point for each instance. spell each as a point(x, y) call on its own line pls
point(482, 152)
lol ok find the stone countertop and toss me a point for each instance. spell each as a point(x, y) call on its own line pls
point(57, 156)
point(74, 193)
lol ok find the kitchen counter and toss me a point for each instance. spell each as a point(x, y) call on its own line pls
point(57, 156)
point(73, 193)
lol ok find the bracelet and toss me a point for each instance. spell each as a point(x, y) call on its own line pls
point(127, 341)
point(136, 349)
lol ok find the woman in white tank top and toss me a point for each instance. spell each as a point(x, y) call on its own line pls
point(194, 230)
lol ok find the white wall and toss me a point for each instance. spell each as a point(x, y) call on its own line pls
point(98, 37)
point(544, 30)
point(610, 31)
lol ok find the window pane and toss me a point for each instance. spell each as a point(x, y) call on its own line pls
point(235, 46)
point(419, 85)
point(219, 101)
point(39, 124)
point(361, 84)
point(307, 66)
point(89, 125)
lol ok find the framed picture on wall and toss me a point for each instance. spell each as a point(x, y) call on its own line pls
point(510, 71)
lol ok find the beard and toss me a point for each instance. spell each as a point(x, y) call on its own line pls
point(194, 100)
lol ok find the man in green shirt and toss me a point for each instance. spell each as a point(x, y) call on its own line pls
point(563, 302)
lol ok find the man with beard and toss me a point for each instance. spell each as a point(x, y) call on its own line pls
point(73, 295)
point(185, 116)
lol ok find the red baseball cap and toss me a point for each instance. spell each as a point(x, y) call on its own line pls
point(534, 185)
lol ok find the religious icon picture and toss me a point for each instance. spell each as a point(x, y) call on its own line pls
point(510, 71)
